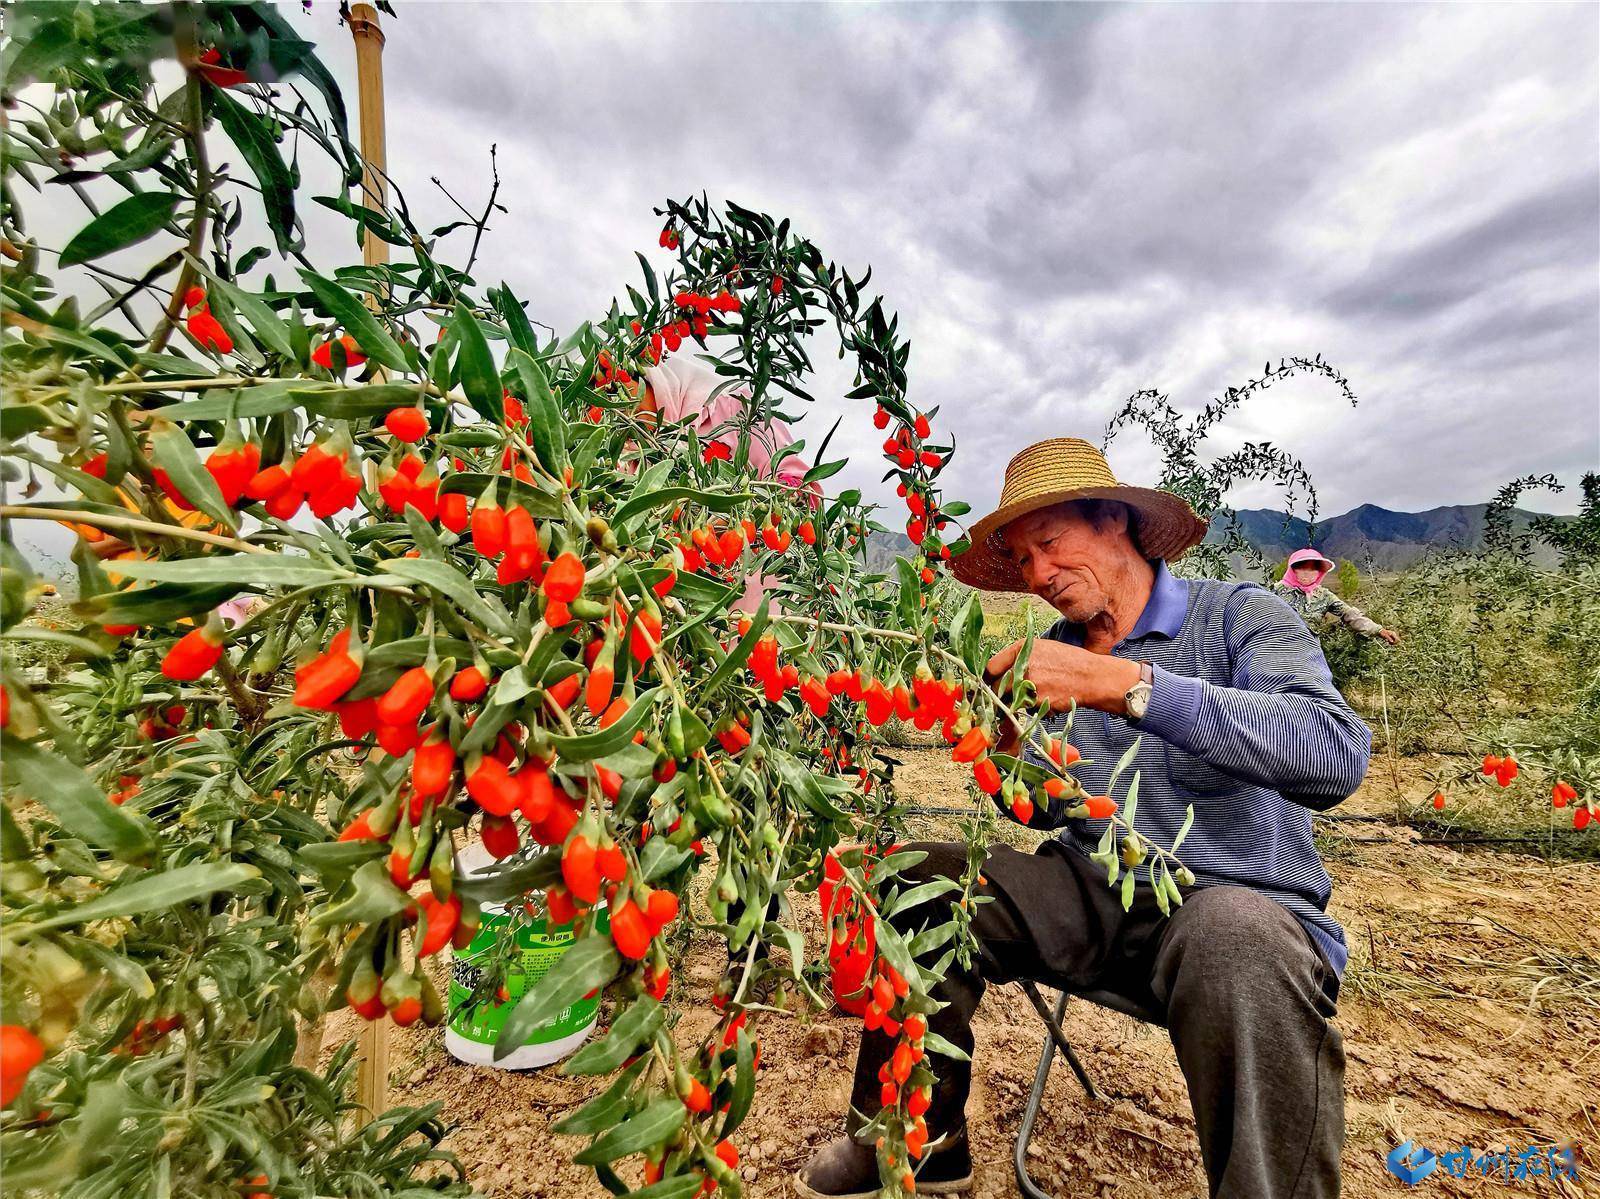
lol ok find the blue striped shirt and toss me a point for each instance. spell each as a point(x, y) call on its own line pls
point(1245, 724)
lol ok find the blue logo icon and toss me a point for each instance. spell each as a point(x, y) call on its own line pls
point(1411, 1163)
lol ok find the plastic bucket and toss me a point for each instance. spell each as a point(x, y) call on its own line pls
point(470, 1034)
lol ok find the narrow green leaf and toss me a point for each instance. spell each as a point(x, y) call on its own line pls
point(357, 320)
point(253, 137)
point(156, 891)
point(75, 802)
point(546, 430)
point(1124, 762)
point(660, 1118)
point(744, 1084)
point(451, 583)
point(517, 326)
point(175, 453)
point(606, 1108)
point(373, 897)
point(1183, 831)
point(716, 501)
point(475, 364)
point(934, 1043)
point(588, 963)
point(586, 747)
point(269, 570)
point(639, 1023)
point(738, 655)
point(123, 225)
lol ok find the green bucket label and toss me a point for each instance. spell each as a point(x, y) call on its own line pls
point(537, 953)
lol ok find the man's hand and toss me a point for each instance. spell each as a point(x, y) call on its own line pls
point(1067, 674)
point(1389, 635)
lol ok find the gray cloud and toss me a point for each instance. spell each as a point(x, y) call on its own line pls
point(1067, 203)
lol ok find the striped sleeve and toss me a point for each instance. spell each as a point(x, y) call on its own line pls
point(1282, 724)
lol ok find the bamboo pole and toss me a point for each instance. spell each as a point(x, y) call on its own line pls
point(372, 1078)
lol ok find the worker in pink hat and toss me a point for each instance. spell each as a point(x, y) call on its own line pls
point(1302, 586)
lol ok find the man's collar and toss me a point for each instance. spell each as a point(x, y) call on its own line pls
point(1167, 607)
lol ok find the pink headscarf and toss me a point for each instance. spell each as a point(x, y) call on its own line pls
point(1306, 555)
point(683, 388)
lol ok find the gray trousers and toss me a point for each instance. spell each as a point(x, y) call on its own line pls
point(1247, 997)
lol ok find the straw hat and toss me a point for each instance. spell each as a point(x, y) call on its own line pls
point(1069, 468)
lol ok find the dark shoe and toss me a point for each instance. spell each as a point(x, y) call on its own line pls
point(843, 1169)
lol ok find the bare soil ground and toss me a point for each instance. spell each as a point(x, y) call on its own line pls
point(1470, 1012)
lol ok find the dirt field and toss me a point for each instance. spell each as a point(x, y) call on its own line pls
point(1470, 1011)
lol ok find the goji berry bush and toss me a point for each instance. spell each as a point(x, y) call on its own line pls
point(368, 569)
point(1499, 671)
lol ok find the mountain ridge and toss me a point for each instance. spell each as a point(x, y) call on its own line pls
point(1370, 535)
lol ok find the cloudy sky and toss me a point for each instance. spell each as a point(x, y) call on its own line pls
point(1067, 203)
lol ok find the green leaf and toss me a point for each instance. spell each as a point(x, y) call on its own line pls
point(680, 1186)
point(910, 606)
point(517, 326)
point(156, 891)
point(738, 655)
point(267, 399)
point(125, 224)
point(540, 504)
point(1124, 762)
point(744, 1084)
point(264, 323)
point(547, 432)
point(934, 1043)
point(588, 963)
point(1183, 831)
point(175, 453)
point(966, 632)
point(660, 1118)
point(449, 582)
point(803, 784)
point(1128, 883)
point(660, 857)
point(264, 570)
point(373, 897)
point(253, 137)
point(638, 1024)
point(475, 364)
point(1130, 804)
point(74, 801)
point(605, 1109)
point(355, 319)
point(717, 501)
point(165, 602)
point(586, 747)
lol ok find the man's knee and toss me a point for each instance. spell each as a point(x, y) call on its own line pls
point(1231, 943)
point(944, 859)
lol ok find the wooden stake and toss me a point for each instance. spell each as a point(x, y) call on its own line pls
point(372, 1077)
point(368, 36)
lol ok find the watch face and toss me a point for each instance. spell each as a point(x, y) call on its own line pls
point(1138, 700)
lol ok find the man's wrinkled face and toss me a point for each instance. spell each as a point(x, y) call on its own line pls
point(1068, 562)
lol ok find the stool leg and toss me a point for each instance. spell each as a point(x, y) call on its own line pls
point(1059, 1038)
point(1030, 1110)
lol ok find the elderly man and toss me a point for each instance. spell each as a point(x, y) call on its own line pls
point(1229, 698)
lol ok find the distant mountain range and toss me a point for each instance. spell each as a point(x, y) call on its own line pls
point(1370, 536)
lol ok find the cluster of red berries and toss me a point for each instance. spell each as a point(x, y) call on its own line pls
point(1502, 770)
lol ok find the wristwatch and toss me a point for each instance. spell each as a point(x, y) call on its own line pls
point(1137, 700)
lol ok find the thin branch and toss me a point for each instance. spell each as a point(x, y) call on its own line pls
point(101, 520)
